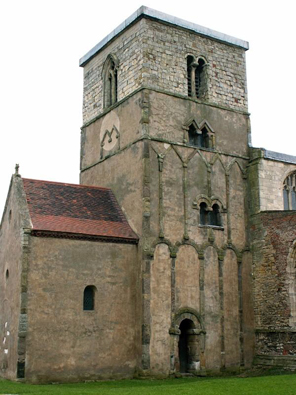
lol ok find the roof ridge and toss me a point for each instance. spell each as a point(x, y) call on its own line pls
point(67, 184)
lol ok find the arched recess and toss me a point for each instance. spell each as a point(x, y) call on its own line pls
point(187, 271)
point(291, 281)
point(173, 197)
point(218, 179)
point(160, 309)
point(197, 185)
point(237, 205)
point(188, 342)
point(212, 309)
point(248, 309)
point(231, 310)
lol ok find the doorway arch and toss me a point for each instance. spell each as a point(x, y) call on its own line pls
point(188, 343)
point(188, 346)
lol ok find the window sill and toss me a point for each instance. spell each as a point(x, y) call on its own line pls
point(198, 147)
point(215, 227)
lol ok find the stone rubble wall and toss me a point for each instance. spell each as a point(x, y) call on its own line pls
point(266, 178)
point(154, 54)
point(274, 234)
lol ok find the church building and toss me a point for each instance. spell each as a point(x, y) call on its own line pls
point(176, 253)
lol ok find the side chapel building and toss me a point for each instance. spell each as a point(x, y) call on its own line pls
point(176, 253)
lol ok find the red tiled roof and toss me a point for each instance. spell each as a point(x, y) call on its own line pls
point(76, 209)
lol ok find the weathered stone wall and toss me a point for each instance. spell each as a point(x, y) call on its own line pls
point(128, 49)
point(180, 178)
point(140, 148)
point(65, 342)
point(266, 177)
point(246, 305)
point(123, 174)
point(160, 310)
point(112, 132)
point(273, 245)
point(13, 249)
point(154, 55)
point(175, 190)
point(170, 115)
point(160, 182)
point(165, 51)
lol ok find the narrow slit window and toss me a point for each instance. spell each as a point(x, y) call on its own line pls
point(89, 298)
point(190, 62)
point(204, 139)
point(215, 216)
point(110, 81)
point(199, 78)
point(203, 214)
point(196, 77)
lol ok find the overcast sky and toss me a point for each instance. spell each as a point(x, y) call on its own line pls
point(41, 83)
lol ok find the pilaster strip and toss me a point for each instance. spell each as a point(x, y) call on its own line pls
point(201, 286)
point(228, 208)
point(240, 307)
point(160, 167)
point(146, 263)
point(185, 194)
point(173, 287)
point(222, 323)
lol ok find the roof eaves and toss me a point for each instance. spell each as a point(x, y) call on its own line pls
point(80, 236)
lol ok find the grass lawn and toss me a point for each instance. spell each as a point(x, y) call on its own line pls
point(267, 385)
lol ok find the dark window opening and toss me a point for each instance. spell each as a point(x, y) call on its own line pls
point(193, 136)
point(20, 370)
point(198, 138)
point(199, 74)
point(210, 216)
point(203, 214)
point(89, 298)
point(204, 139)
point(215, 216)
point(110, 83)
point(189, 74)
point(196, 78)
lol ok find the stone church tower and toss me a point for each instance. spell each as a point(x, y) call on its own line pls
point(166, 127)
point(176, 253)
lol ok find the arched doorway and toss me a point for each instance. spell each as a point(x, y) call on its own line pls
point(188, 347)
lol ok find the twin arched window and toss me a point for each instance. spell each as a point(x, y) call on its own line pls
point(89, 297)
point(199, 138)
point(209, 215)
point(196, 78)
point(289, 192)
